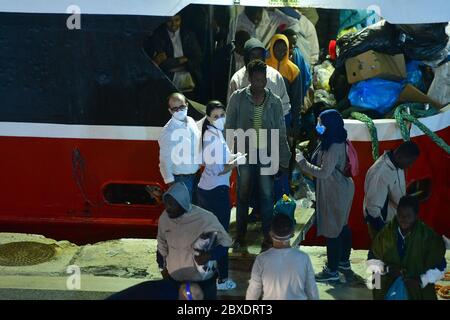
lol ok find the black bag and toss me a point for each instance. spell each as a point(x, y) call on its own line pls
point(382, 37)
point(423, 41)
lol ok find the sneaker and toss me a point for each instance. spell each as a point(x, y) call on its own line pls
point(345, 266)
point(326, 275)
point(239, 246)
point(228, 284)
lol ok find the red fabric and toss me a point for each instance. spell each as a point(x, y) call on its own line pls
point(332, 49)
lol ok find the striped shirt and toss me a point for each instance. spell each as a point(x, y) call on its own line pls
point(258, 120)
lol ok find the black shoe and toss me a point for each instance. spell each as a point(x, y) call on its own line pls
point(240, 246)
point(327, 275)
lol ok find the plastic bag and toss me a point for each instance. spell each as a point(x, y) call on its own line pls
point(381, 37)
point(324, 97)
point(414, 75)
point(376, 94)
point(397, 291)
point(322, 74)
point(440, 87)
point(423, 41)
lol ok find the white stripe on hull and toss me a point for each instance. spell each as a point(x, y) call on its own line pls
point(357, 131)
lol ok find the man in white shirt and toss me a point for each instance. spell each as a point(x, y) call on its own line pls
point(262, 23)
point(254, 50)
point(176, 51)
point(282, 272)
point(385, 184)
point(179, 143)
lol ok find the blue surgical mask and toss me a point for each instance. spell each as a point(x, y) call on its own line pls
point(320, 129)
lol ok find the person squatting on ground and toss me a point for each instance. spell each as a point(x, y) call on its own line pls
point(182, 228)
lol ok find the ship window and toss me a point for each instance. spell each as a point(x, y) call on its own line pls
point(421, 189)
point(132, 194)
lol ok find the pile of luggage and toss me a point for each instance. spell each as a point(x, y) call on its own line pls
point(384, 65)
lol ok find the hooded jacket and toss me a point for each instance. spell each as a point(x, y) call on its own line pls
point(176, 237)
point(286, 67)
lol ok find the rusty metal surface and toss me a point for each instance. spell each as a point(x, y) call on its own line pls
point(25, 253)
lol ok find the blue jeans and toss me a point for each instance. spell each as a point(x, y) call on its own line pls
point(189, 181)
point(339, 249)
point(250, 174)
point(218, 202)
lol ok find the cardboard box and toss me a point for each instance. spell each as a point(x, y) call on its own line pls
point(371, 64)
point(412, 94)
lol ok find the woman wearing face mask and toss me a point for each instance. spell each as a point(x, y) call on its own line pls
point(334, 193)
point(214, 186)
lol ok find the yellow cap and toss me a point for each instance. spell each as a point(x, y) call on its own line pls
point(286, 198)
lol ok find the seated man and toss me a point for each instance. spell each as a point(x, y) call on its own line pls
point(160, 290)
point(282, 272)
point(178, 54)
point(406, 247)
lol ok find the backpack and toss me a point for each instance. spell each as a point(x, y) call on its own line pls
point(286, 206)
point(352, 164)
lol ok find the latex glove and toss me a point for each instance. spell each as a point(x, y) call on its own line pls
point(299, 156)
point(241, 160)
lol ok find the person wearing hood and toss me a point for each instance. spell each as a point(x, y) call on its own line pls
point(180, 227)
point(213, 192)
point(255, 50)
point(181, 133)
point(334, 192)
point(279, 59)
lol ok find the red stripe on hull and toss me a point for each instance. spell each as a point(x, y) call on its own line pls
point(40, 194)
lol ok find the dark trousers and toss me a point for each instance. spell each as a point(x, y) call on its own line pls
point(338, 249)
point(250, 174)
point(218, 202)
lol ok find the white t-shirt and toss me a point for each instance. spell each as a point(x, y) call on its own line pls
point(282, 274)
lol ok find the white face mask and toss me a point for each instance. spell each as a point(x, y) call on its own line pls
point(219, 123)
point(180, 115)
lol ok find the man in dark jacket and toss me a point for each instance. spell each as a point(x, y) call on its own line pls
point(176, 51)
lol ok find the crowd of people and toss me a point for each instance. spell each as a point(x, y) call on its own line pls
point(264, 102)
